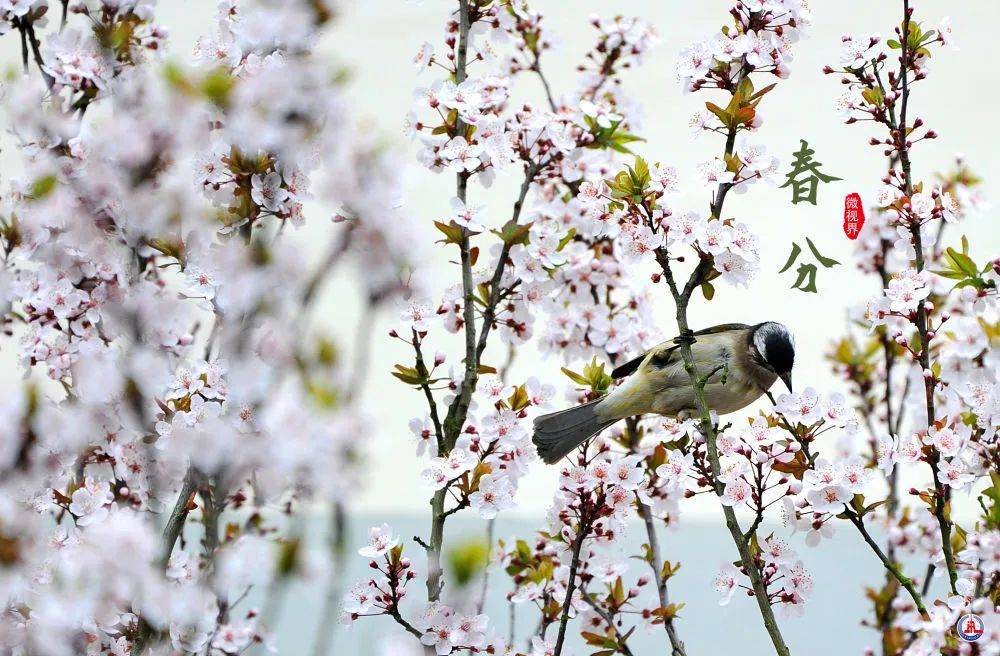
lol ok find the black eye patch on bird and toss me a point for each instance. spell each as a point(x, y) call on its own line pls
point(779, 352)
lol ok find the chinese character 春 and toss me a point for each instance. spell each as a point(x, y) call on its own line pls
point(804, 186)
point(806, 280)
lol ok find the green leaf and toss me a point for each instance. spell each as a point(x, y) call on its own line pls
point(962, 262)
point(523, 550)
point(641, 171)
point(760, 94)
point(872, 506)
point(43, 186)
point(513, 233)
point(408, 375)
point(597, 379)
point(467, 560)
point(217, 87)
point(874, 96)
point(735, 103)
point(288, 556)
point(950, 273)
point(519, 400)
point(708, 291)
point(452, 232)
point(567, 239)
point(575, 377)
point(721, 113)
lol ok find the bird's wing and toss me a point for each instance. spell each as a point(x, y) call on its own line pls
point(666, 353)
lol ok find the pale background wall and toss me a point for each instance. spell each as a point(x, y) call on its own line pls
point(375, 40)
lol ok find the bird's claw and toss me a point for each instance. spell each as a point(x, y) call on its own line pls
point(686, 337)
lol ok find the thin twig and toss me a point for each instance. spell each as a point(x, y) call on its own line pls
point(175, 523)
point(36, 52)
point(536, 67)
point(890, 566)
point(570, 588)
point(656, 562)
point(412, 630)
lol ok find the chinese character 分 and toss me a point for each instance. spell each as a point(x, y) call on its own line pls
point(804, 188)
point(806, 281)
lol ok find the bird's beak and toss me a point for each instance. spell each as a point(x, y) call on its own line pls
point(787, 380)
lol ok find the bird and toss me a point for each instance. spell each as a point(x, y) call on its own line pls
point(743, 362)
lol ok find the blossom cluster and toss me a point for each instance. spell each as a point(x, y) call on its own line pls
point(760, 38)
point(439, 626)
point(161, 318)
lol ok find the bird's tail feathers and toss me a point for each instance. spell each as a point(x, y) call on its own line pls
point(558, 433)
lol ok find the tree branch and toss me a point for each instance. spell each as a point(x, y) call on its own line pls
point(890, 567)
point(570, 587)
point(681, 299)
point(455, 419)
point(676, 645)
point(942, 492)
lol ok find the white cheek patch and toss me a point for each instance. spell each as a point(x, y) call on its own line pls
point(759, 342)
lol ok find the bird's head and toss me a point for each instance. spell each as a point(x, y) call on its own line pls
point(773, 348)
